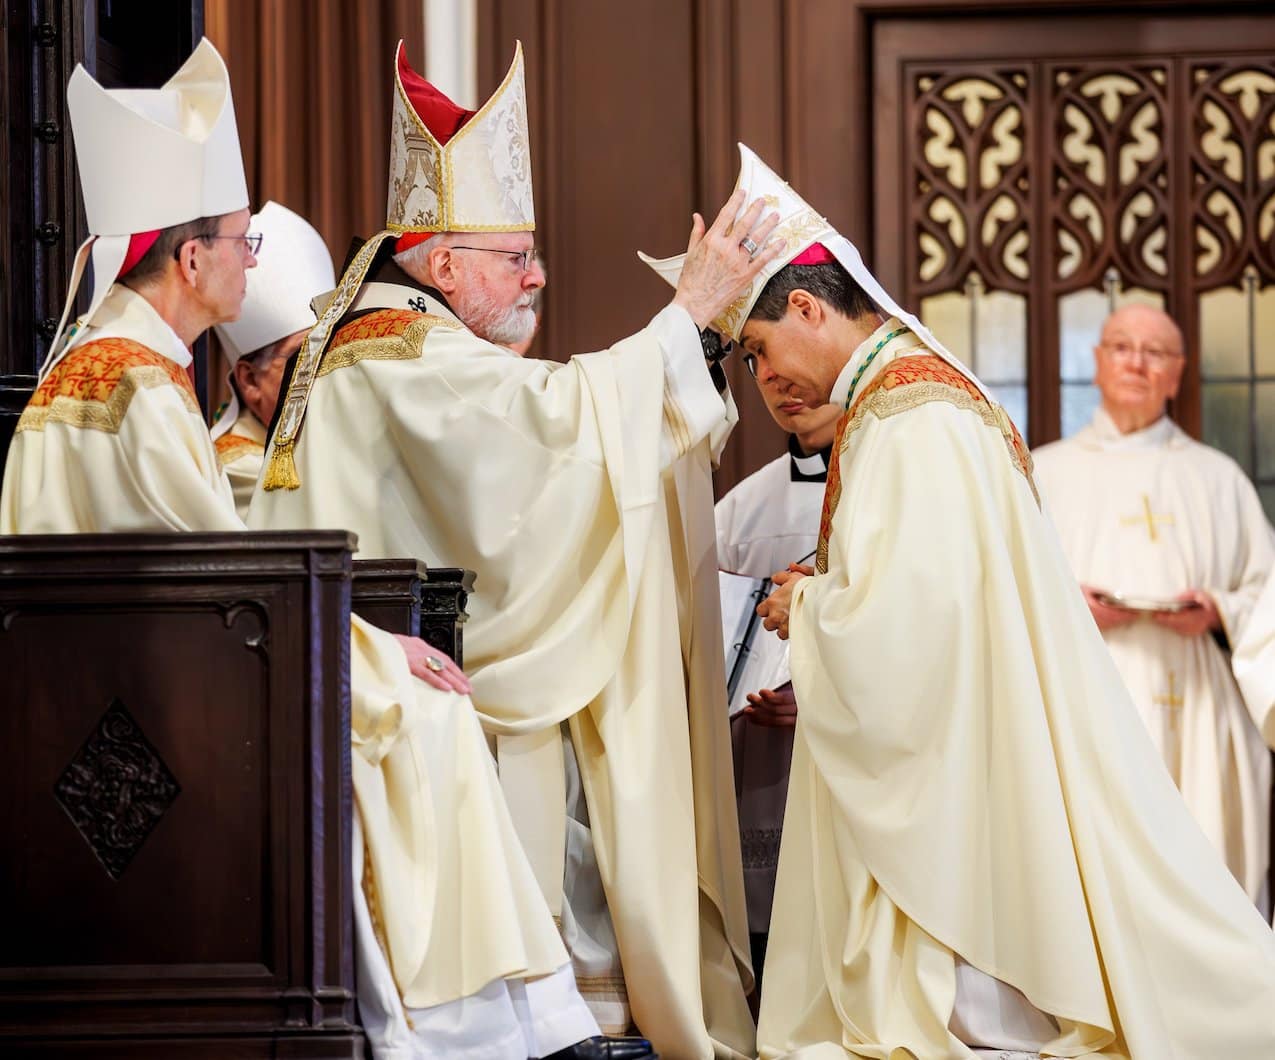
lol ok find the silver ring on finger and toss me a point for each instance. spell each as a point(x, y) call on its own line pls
point(433, 663)
point(748, 245)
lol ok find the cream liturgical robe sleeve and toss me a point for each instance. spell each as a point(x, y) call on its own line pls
point(1152, 514)
point(557, 484)
point(970, 778)
point(438, 837)
point(240, 451)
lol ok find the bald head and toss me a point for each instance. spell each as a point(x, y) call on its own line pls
point(1138, 365)
point(1147, 321)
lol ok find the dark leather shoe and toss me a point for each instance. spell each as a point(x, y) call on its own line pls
point(601, 1048)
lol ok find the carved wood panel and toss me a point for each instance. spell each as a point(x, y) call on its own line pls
point(181, 796)
point(1124, 153)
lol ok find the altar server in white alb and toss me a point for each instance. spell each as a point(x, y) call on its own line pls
point(1176, 531)
point(581, 495)
point(293, 267)
point(464, 960)
point(768, 521)
point(982, 848)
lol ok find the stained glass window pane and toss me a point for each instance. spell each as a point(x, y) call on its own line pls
point(1080, 317)
point(1264, 310)
point(1001, 356)
point(1226, 425)
point(1078, 403)
point(1014, 400)
point(1265, 426)
point(1267, 495)
point(1224, 335)
point(986, 330)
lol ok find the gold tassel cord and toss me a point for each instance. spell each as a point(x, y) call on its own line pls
point(281, 472)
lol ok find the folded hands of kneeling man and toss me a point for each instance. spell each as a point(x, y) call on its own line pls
point(774, 609)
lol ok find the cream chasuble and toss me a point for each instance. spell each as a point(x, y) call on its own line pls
point(113, 441)
point(970, 778)
point(241, 451)
point(1151, 514)
point(580, 495)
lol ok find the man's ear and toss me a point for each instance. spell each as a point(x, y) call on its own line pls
point(245, 378)
point(807, 307)
point(442, 269)
point(187, 267)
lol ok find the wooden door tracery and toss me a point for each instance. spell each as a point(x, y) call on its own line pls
point(1074, 164)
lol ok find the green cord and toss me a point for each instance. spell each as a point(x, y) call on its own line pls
point(854, 383)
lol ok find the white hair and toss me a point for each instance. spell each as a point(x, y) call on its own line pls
point(415, 259)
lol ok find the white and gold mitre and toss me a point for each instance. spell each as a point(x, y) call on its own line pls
point(149, 159)
point(154, 158)
point(293, 266)
point(455, 170)
point(808, 240)
point(800, 227)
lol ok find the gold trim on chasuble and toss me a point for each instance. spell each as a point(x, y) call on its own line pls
point(230, 447)
point(383, 335)
point(903, 385)
point(93, 385)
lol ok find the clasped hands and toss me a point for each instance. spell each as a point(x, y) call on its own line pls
point(774, 609)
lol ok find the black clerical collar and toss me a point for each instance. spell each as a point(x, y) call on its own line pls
point(803, 468)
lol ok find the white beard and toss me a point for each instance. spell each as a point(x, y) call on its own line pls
point(495, 323)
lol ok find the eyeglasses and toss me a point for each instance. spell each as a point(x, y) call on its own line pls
point(1124, 350)
point(523, 258)
point(251, 240)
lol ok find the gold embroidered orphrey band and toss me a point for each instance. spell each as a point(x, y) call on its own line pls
point(281, 469)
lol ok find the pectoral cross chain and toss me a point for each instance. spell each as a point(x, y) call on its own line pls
point(1148, 518)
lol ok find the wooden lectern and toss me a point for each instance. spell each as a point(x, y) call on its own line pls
point(175, 813)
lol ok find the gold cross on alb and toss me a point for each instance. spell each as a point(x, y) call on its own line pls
point(1149, 519)
point(1171, 700)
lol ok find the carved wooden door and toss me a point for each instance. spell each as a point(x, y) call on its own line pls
point(1032, 172)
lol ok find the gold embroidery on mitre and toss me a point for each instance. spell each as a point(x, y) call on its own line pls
point(93, 386)
point(492, 152)
point(796, 233)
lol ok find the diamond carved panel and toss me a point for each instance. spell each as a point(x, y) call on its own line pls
point(116, 789)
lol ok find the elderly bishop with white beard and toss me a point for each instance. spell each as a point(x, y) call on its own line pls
point(581, 495)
